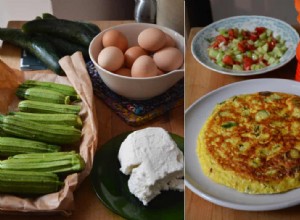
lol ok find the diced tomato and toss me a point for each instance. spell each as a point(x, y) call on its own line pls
point(231, 34)
point(221, 38)
point(215, 44)
point(265, 62)
point(227, 59)
point(253, 37)
point(245, 34)
point(250, 47)
point(236, 62)
point(272, 44)
point(247, 62)
point(260, 30)
point(241, 47)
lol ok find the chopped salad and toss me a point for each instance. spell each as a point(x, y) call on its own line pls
point(246, 50)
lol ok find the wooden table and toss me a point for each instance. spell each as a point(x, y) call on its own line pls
point(87, 205)
point(199, 81)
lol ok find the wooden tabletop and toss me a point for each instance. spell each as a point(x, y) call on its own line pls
point(199, 81)
point(87, 205)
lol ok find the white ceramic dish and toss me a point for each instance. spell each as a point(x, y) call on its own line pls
point(200, 42)
point(195, 180)
point(136, 88)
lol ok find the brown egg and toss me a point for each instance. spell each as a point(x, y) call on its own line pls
point(152, 39)
point(115, 38)
point(144, 66)
point(111, 58)
point(168, 59)
point(123, 71)
point(160, 72)
point(132, 54)
point(170, 41)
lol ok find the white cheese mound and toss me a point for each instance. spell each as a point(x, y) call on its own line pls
point(153, 161)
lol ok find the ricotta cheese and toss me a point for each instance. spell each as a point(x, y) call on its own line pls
point(154, 162)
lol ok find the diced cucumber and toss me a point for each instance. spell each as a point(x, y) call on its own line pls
point(277, 52)
point(222, 31)
point(263, 36)
point(269, 32)
point(237, 67)
point(254, 56)
point(221, 64)
point(271, 60)
point(278, 38)
point(212, 53)
point(250, 42)
point(266, 56)
point(220, 56)
point(265, 47)
point(239, 57)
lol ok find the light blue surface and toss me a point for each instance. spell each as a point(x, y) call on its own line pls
point(200, 42)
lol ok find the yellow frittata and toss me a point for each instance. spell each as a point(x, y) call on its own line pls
point(251, 143)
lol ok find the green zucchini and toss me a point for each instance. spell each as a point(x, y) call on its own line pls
point(261, 115)
point(48, 16)
point(43, 95)
point(11, 146)
point(59, 119)
point(63, 162)
point(28, 182)
point(229, 124)
point(43, 107)
point(94, 29)
point(40, 48)
point(64, 89)
point(65, 29)
point(65, 47)
point(52, 134)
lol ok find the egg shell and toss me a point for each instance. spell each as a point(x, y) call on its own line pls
point(144, 66)
point(115, 38)
point(152, 39)
point(170, 42)
point(168, 59)
point(111, 58)
point(124, 72)
point(160, 72)
point(132, 54)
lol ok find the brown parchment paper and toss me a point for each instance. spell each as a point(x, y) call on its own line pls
point(63, 201)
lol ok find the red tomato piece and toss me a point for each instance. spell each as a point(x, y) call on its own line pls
point(221, 38)
point(231, 34)
point(245, 34)
point(247, 62)
point(260, 30)
point(272, 44)
point(215, 44)
point(250, 47)
point(227, 59)
point(241, 47)
point(253, 37)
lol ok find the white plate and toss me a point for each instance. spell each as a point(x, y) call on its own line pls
point(200, 41)
point(196, 115)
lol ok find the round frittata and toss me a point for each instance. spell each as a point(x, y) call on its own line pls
point(251, 143)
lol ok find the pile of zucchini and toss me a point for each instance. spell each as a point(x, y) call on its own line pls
point(31, 139)
point(49, 38)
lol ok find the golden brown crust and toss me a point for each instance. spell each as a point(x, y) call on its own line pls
point(255, 138)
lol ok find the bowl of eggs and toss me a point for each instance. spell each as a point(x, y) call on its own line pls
point(138, 60)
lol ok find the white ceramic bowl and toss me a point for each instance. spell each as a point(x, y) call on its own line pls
point(136, 88)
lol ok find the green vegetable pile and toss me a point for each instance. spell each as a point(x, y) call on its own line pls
point(32, 138)
point(49, 38)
